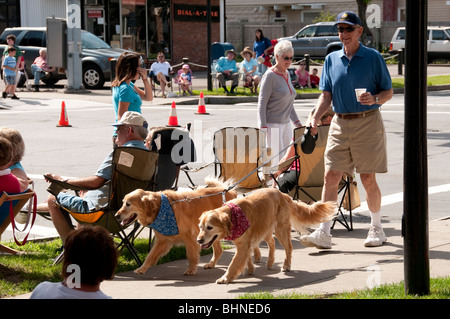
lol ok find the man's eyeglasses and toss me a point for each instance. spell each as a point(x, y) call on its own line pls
point(288, 58)
point(348, 29)
point(160, 56)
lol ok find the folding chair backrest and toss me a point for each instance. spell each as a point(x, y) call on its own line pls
point(312, 166)
point(239, 151)
point(175, 148)
point(133, 168)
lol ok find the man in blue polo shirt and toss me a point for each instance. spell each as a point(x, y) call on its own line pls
point(132, 129)
point(357, 139)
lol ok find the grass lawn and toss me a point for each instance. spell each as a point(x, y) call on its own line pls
point(396, 83)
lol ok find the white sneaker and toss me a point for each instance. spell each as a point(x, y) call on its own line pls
point(375, 238)
point(317, 239)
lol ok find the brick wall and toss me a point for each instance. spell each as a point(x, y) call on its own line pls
point(189, 38)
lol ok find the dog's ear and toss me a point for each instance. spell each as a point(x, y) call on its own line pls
point(225, 219)
point(151, 205)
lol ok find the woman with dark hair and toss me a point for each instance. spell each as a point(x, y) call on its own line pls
point(125, 94)
point(261, 47)
point(90, 257)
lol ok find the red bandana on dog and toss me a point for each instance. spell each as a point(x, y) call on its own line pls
point(239, 222)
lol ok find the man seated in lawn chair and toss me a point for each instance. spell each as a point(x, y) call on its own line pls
point(132, 129)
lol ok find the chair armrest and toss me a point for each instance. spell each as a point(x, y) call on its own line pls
point(284, 165)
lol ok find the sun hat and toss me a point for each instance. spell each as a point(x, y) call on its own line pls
point(231, 51)
point(132, 118)
point(246, 50)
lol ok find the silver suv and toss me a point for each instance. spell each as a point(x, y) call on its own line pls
point(96, 54)
point(317, 40)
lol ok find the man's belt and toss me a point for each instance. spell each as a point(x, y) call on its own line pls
point(352, 116)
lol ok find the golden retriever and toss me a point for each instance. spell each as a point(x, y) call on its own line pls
point(187, 207)
point(267, 210)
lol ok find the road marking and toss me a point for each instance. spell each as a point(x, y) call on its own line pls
point(398, 197)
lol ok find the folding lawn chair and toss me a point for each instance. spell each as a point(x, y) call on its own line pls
point(10, 206)
point(239, 151)
point(311, 175)
point(133, 168)
point(175, 148)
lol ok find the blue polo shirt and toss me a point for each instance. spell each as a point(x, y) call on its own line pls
point(342, 76)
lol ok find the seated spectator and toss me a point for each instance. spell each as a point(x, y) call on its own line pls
point(132, 129)
point(302, 80)
point(250, 69)
point(15, 166)
point(8, 182)
point(40, 68)
point(185, 80)
point(287, 177)
point(227, 70)
point(160, 72)
point(92, 251)
point(314, 79)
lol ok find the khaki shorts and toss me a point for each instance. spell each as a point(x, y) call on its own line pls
point(357, 143)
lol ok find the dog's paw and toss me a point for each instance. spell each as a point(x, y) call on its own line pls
point(190, 272)
point(210, 265)
point(140, 271)
point(222, 280)
point(286, 269)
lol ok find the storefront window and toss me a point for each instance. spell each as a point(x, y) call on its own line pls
point(159, 28)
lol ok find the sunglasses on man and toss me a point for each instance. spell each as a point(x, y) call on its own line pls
point(347, 29)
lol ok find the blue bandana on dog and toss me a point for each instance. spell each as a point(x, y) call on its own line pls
point(165, 223)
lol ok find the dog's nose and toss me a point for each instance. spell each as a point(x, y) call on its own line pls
point(200, 241)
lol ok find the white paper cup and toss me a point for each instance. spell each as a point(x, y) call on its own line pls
point(358, 93)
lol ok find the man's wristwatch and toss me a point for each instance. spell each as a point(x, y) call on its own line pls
point(376, 99)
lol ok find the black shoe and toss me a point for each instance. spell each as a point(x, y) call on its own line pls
point(36, 88)
point(225, 89)
point(232, 89)
point(14, 97)
point(4, 94)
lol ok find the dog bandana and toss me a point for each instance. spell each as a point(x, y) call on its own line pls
point(239, 222)
point(165, 223)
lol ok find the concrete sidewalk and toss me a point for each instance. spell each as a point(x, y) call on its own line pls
point(346, 267)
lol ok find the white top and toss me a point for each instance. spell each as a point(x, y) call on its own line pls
point(56, 290)
point(163, 67)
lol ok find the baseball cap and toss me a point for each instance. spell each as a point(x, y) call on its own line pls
point(348, 17)
point(132, 118)
point(185, 66)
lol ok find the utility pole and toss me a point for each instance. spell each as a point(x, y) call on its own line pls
point(415, 208)
point(74, 66)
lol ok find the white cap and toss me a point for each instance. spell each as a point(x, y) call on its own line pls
point(132, 118)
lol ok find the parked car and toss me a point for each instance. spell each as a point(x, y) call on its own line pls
point(317, 40)
point(96, 54)
point(438, 42)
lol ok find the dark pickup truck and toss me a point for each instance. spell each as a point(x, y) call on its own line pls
point(96, 55)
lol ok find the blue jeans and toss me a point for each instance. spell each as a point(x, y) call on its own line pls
point(37, 72)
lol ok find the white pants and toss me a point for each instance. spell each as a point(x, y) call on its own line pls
point(278, 138)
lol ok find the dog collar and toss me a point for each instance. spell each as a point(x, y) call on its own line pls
point(165, 223)
point(239, 222)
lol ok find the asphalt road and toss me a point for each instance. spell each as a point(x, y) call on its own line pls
point(78, 150)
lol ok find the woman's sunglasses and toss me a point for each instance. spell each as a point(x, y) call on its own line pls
point(288, 58)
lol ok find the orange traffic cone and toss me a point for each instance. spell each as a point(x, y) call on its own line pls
point(173, 119)
point(63, 120)
point(201, 105)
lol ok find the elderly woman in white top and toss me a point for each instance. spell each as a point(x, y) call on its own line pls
point(276, 101)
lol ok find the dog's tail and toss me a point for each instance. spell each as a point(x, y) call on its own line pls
point(303, 215)
point(218, 182)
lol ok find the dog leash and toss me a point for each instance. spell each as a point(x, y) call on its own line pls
point(189, 199)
